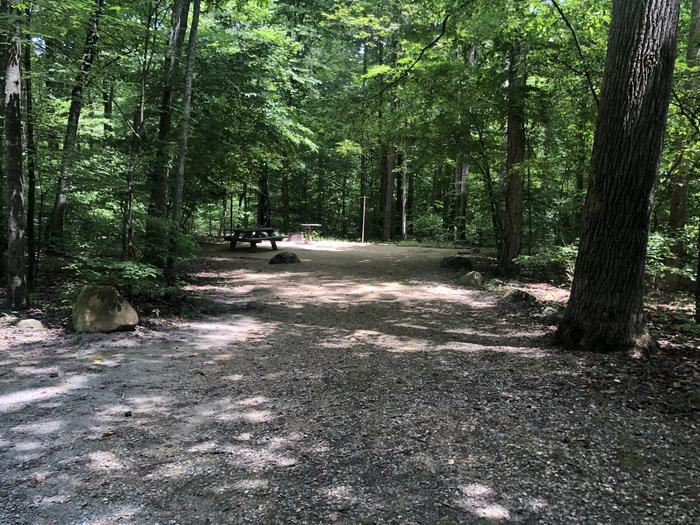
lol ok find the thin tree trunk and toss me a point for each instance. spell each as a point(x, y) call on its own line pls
point(404, 197)
point(697, 284)
point(58, 215)
point(679, 178)
point(388, 192)
point(264, 199)
point(513, 218)
point(128, 250)
point(179, 183)
point(31, 158)
point(437, 175)
point(285, 193)
point(108, 106)
point(16, 269)
point(411, 201)
point(4, 54)
point(606, 306)
point(461, 200)
point(158, 181)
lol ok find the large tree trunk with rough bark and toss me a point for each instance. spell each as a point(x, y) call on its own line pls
point(58, 215)
point(515, 155)
point(155, 249)
point(606, 307)
point(16, 270)
point(179, 183)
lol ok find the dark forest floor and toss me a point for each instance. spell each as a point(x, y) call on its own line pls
point(360, 386)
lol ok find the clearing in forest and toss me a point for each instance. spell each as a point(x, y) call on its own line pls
point(360, 386)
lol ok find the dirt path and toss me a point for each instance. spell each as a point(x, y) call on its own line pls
point(360, 386)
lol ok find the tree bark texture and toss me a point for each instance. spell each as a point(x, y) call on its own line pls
point(515, 155)
point(16, 270)
point(58, 215)
point(606, 306)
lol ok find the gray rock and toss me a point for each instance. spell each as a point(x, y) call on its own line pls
point(29, 324)
point(472, 280)
point(457, 263)
point(520, 296)
point(103, 309)
point(549, 311)
point(284, 258)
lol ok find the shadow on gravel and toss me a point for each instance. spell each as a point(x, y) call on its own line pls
point(309, 397)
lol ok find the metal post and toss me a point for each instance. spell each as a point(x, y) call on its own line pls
point(364, 210)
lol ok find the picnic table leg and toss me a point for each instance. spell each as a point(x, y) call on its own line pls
point(234, 241)
point(274, 244)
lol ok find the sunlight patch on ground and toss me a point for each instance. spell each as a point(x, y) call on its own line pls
point(40, 428)
point(124, 513)
point(222, 333)
point(474, 347)
point(105, 461)
point(257, 459)
point(17, 400)
point(477, 500)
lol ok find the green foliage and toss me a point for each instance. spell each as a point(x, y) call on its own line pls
point(554, 264)
point(140, 283)
point(429, 227)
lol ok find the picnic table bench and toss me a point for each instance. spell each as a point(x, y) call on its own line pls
point(253, 236)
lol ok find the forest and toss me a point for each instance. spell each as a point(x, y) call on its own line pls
point(485, 305)
point(133, 128)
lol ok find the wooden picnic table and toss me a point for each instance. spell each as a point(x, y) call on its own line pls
point(253, 236)
point(309, 230)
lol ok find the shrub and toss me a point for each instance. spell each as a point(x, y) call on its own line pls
point(429, 226)
point(139, 282)
point(554, 263)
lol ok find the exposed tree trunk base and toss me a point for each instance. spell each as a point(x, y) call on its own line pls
point(590, 337)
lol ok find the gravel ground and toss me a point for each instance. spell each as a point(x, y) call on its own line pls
point(360, 386)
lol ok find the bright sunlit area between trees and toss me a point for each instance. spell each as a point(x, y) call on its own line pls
point(403, 262)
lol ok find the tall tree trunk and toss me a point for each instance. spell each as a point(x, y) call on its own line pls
point(437, 175)
point(697, 284)
point(404, 196)
point(513, 218)
point(108, 108)
point(4, 55)
point(388, 191)
point(58, 215)
point(461, 184)
point(411, 201)
point(16, 270)
point(31, 158)
point(264, 218)
point(179, 183)
point(679, 178)
point(285, 193)
point(158, 178)
point(128, 249)
point(606, 306)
